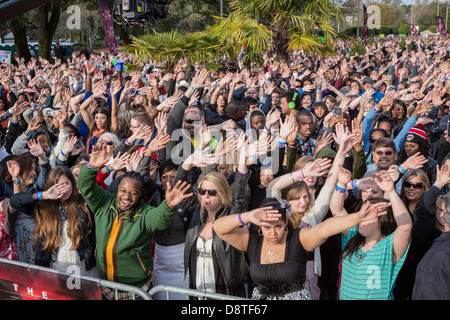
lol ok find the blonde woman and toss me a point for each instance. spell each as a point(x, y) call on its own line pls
point(212, 264)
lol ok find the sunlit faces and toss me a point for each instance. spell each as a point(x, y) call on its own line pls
point(210, 203)
point(384, 157)
point(191, 119)
point(274, 232)
point(372, 193)
point(413, 188)
point(221, 102)
point(306, 101)
point(43, 141)
point(266, 176)
point(398, 111)
point(128, 193)
point(30, 177)
point(101, 121)
point(300, 204)
point(370, 225)
point(257, 122)
point(411, 148)
point(305, 126)
point(168, 177)
point(65, 182)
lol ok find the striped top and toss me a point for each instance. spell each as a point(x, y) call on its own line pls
point(369, 275)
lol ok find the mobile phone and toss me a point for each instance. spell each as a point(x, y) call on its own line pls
point(448, 128)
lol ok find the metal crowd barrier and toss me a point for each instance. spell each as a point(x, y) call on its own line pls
point(99, 282)
point(56, 275)
point(192, 293)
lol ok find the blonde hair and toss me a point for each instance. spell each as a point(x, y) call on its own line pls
point(293, 192)
point(222, 186)
point(301, 162)
point(416, 173)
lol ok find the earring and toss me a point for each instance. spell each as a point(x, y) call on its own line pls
point(260, 232)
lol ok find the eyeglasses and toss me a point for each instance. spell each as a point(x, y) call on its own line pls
point(416, 185)
point(212, 193)
point(387, 153)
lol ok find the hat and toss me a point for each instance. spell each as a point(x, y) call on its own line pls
point(417, 135)
point(368, 80)
point(326, 153)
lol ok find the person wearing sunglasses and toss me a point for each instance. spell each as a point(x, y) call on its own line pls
point(384, 155)
point(211, 264)
point(427, 227)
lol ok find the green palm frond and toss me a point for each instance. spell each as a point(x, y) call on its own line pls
point(311, 45)
point(242, 31)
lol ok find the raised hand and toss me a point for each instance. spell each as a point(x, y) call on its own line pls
point(36, 149)
point(384, 182)
point(14, 169)
point(158, 143)
point(177, 193)
point(262, 216)
point(416, 161)
point(442, 175)
point(56, 192)
point(287, 126)
point(317, 168)
point(69, 145)
point(99, 155)
point(119, 162)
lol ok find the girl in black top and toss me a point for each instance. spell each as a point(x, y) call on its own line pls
point(278, 256)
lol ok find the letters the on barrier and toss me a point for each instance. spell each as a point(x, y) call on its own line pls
point(22, 283)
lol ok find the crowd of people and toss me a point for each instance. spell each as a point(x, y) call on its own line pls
point(298, 178)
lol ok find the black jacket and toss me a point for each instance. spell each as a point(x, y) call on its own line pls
point(230, 266)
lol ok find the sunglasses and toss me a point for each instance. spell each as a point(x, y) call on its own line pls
point(190, 120)
point(109, 143)
point(387, 153)
point(416, 185)
point(372, 139)
point(212, 193)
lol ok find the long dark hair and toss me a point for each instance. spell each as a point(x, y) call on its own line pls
point(387, 226)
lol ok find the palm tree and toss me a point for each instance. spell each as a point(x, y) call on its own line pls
point(169, 47)
point(281, 25)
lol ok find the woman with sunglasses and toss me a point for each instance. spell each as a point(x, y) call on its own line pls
point(211, 264)
point(425, 202)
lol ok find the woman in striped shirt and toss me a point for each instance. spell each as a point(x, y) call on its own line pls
point(373, 251)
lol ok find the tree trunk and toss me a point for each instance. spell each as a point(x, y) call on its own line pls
point(47, 27)
point(123, 33)
point(20, 39)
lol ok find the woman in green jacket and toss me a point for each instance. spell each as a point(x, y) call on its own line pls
point(125, 223)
